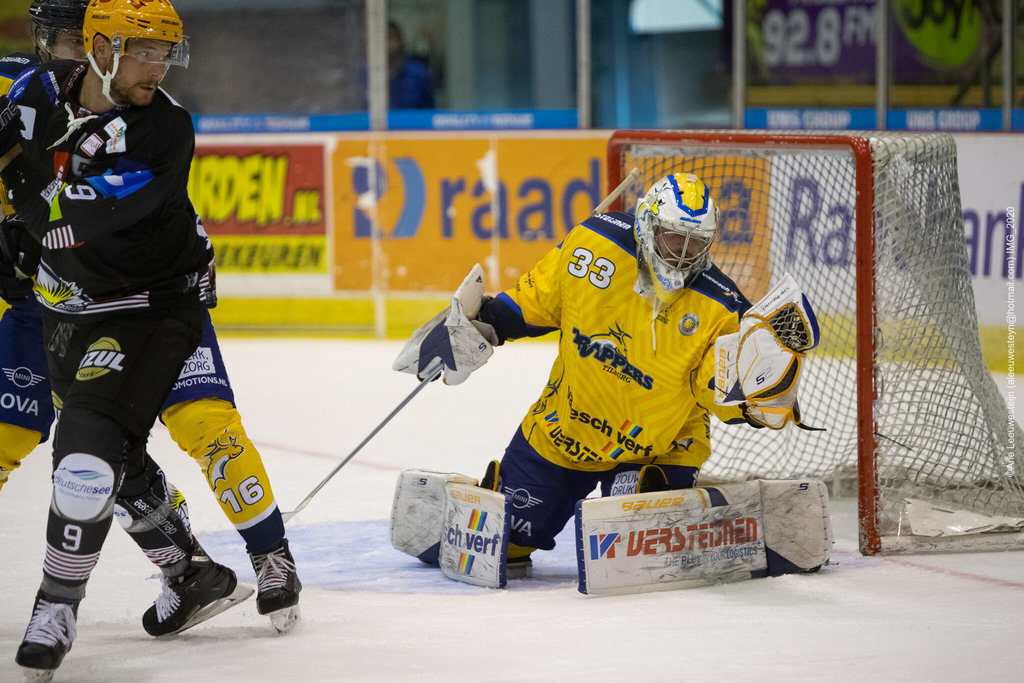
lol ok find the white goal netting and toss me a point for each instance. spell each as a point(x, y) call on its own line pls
point(946, 453)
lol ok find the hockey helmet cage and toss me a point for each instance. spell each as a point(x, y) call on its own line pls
point(122, 20)
point(675, 225)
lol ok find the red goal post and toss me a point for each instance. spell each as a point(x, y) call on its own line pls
point(871, 227)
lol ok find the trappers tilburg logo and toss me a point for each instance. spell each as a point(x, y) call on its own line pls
point(605, 348)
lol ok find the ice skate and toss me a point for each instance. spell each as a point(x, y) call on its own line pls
point(492, 477)
point(519, 567)
point(279, 587)
point(49, 635)
point(651, 480)
point(205, 590)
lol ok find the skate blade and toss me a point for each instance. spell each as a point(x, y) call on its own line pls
point(37, 674)
point(239, 595)
point(284, 620)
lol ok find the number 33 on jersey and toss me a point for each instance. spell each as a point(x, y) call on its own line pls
point(629, 385)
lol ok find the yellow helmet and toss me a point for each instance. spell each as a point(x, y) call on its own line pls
point(121, 20)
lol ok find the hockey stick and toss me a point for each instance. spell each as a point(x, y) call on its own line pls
point(614, 194)
point(433, 371)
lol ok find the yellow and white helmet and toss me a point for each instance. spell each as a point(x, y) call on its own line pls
point(676, 224)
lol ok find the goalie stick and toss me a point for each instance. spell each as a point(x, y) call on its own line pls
point(614, 194)
point(433, 371)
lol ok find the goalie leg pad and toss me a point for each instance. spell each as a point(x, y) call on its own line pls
point(668, 540)
point(417, 513)
point(797, 525)
point(694, 537)
point(474, 540)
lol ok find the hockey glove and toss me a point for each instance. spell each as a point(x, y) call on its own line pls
point(454, 335)
point(13, 289)
point(19, 257)
point(10, 125)
point(18, 248)
point(760, 365)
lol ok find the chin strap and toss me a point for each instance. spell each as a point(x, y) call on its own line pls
point(108, 77)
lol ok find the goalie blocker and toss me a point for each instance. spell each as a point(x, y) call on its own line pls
point(625, 544)
point(695, 537)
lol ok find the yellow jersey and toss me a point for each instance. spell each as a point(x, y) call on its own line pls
point(627, 386)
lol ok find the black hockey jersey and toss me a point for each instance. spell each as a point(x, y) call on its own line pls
point(107, 197)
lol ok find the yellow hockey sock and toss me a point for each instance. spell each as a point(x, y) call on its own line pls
point(210, 430)
point(15, 443)
point(517, 551)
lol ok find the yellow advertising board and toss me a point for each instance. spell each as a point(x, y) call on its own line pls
point(262, 205)
point(415, 212)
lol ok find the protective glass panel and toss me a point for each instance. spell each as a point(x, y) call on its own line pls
point(945, 55)
point(482, 54)
point(266, 56)
point(802, 54)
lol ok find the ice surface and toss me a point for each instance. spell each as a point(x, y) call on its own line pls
point(373, 614)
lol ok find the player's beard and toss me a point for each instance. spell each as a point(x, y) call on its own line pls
point(138, 94)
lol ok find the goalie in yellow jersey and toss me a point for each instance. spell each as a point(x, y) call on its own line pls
point(639, 307)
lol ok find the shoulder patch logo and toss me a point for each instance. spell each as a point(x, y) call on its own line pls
point(116, 132)
point(92, 145)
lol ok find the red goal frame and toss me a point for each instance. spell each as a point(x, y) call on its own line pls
point(864, 222)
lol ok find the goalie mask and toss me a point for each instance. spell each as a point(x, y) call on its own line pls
point(676, 224)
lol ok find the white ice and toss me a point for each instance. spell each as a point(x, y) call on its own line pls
point(371, 613)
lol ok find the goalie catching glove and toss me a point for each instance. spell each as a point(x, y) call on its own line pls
point(760, 365)
point(454, 336)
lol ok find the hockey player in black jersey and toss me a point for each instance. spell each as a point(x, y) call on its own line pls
point(199, 412)
point(98, 176)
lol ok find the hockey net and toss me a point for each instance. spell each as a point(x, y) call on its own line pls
point(870, 225)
